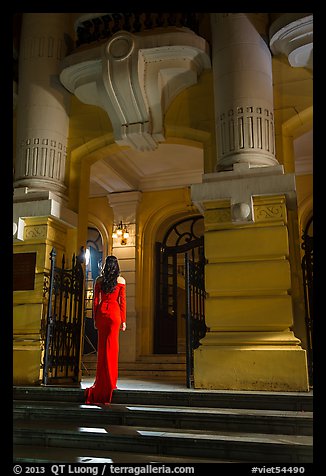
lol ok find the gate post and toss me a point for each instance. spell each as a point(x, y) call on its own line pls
point(189, 350)
point(40, 235)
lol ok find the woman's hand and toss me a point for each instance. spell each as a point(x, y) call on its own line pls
point(123, 326)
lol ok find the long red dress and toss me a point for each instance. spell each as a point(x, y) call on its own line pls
point(109, 312)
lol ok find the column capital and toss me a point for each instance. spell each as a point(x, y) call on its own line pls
point(124, 205)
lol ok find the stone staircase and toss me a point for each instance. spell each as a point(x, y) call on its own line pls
point(160, 366)
point(51, 424)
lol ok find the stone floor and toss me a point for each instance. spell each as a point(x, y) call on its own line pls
point(128, 383)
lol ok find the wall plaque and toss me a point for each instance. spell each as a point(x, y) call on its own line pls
point(23, 271)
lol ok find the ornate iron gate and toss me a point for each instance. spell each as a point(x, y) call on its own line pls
point(180, 258)
point(195, 310)
point(307, 271)
point(63, 292)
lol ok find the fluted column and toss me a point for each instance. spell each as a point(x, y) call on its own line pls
point(42, 113)
point(40, 215)
point(243, 92)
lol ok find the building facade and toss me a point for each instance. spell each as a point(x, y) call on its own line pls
point(174, 129)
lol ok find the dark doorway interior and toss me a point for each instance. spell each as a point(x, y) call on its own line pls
point(185, 236)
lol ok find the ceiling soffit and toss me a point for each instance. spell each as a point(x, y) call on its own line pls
point(168, 166)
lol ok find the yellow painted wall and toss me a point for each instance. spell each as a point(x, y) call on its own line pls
point(191, 112)
point(293, 94)
point(194, 107)
point(305, 199)
point(304, 187)
point(100, 208)
point(293, 99)
point(86, 123)
point(100, 214)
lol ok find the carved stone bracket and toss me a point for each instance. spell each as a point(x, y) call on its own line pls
point(135, 78)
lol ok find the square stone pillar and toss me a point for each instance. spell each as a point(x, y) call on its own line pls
point(249, 344)
point(41, 222)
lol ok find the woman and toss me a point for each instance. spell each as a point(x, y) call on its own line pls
point(109, 313)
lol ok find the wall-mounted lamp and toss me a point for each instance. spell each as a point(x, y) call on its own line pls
point(121, 231)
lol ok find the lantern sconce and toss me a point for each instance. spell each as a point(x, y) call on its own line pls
point(120, 231)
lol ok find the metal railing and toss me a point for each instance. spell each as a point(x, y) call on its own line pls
point(97, 27)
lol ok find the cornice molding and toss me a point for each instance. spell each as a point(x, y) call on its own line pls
point(294, 40)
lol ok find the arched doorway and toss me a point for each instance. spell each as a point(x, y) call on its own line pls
point(307, 272)
point(185, 236)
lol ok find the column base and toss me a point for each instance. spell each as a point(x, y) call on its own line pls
point(252, 159)
point(243, 368)
point(41, 185)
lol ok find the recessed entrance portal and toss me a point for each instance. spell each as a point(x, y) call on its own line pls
point(185, 236)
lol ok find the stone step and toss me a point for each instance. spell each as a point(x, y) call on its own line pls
point(177, 375)
point(58, 455)
point(148, 367)
point(145, 366)
point(163, 358)
point(222, 419)
point(286, 401)
point(234, 446)
point(155, 360)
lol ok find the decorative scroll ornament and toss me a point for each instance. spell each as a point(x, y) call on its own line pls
point(135, 78)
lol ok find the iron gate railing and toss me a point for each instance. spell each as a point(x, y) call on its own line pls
point(63, 299)
point(195, 311)
point(184, 236)
point(307, 272)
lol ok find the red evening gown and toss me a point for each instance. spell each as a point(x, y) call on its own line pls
point(109, 313)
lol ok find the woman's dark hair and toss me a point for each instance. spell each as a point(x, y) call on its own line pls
point(110, 274)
